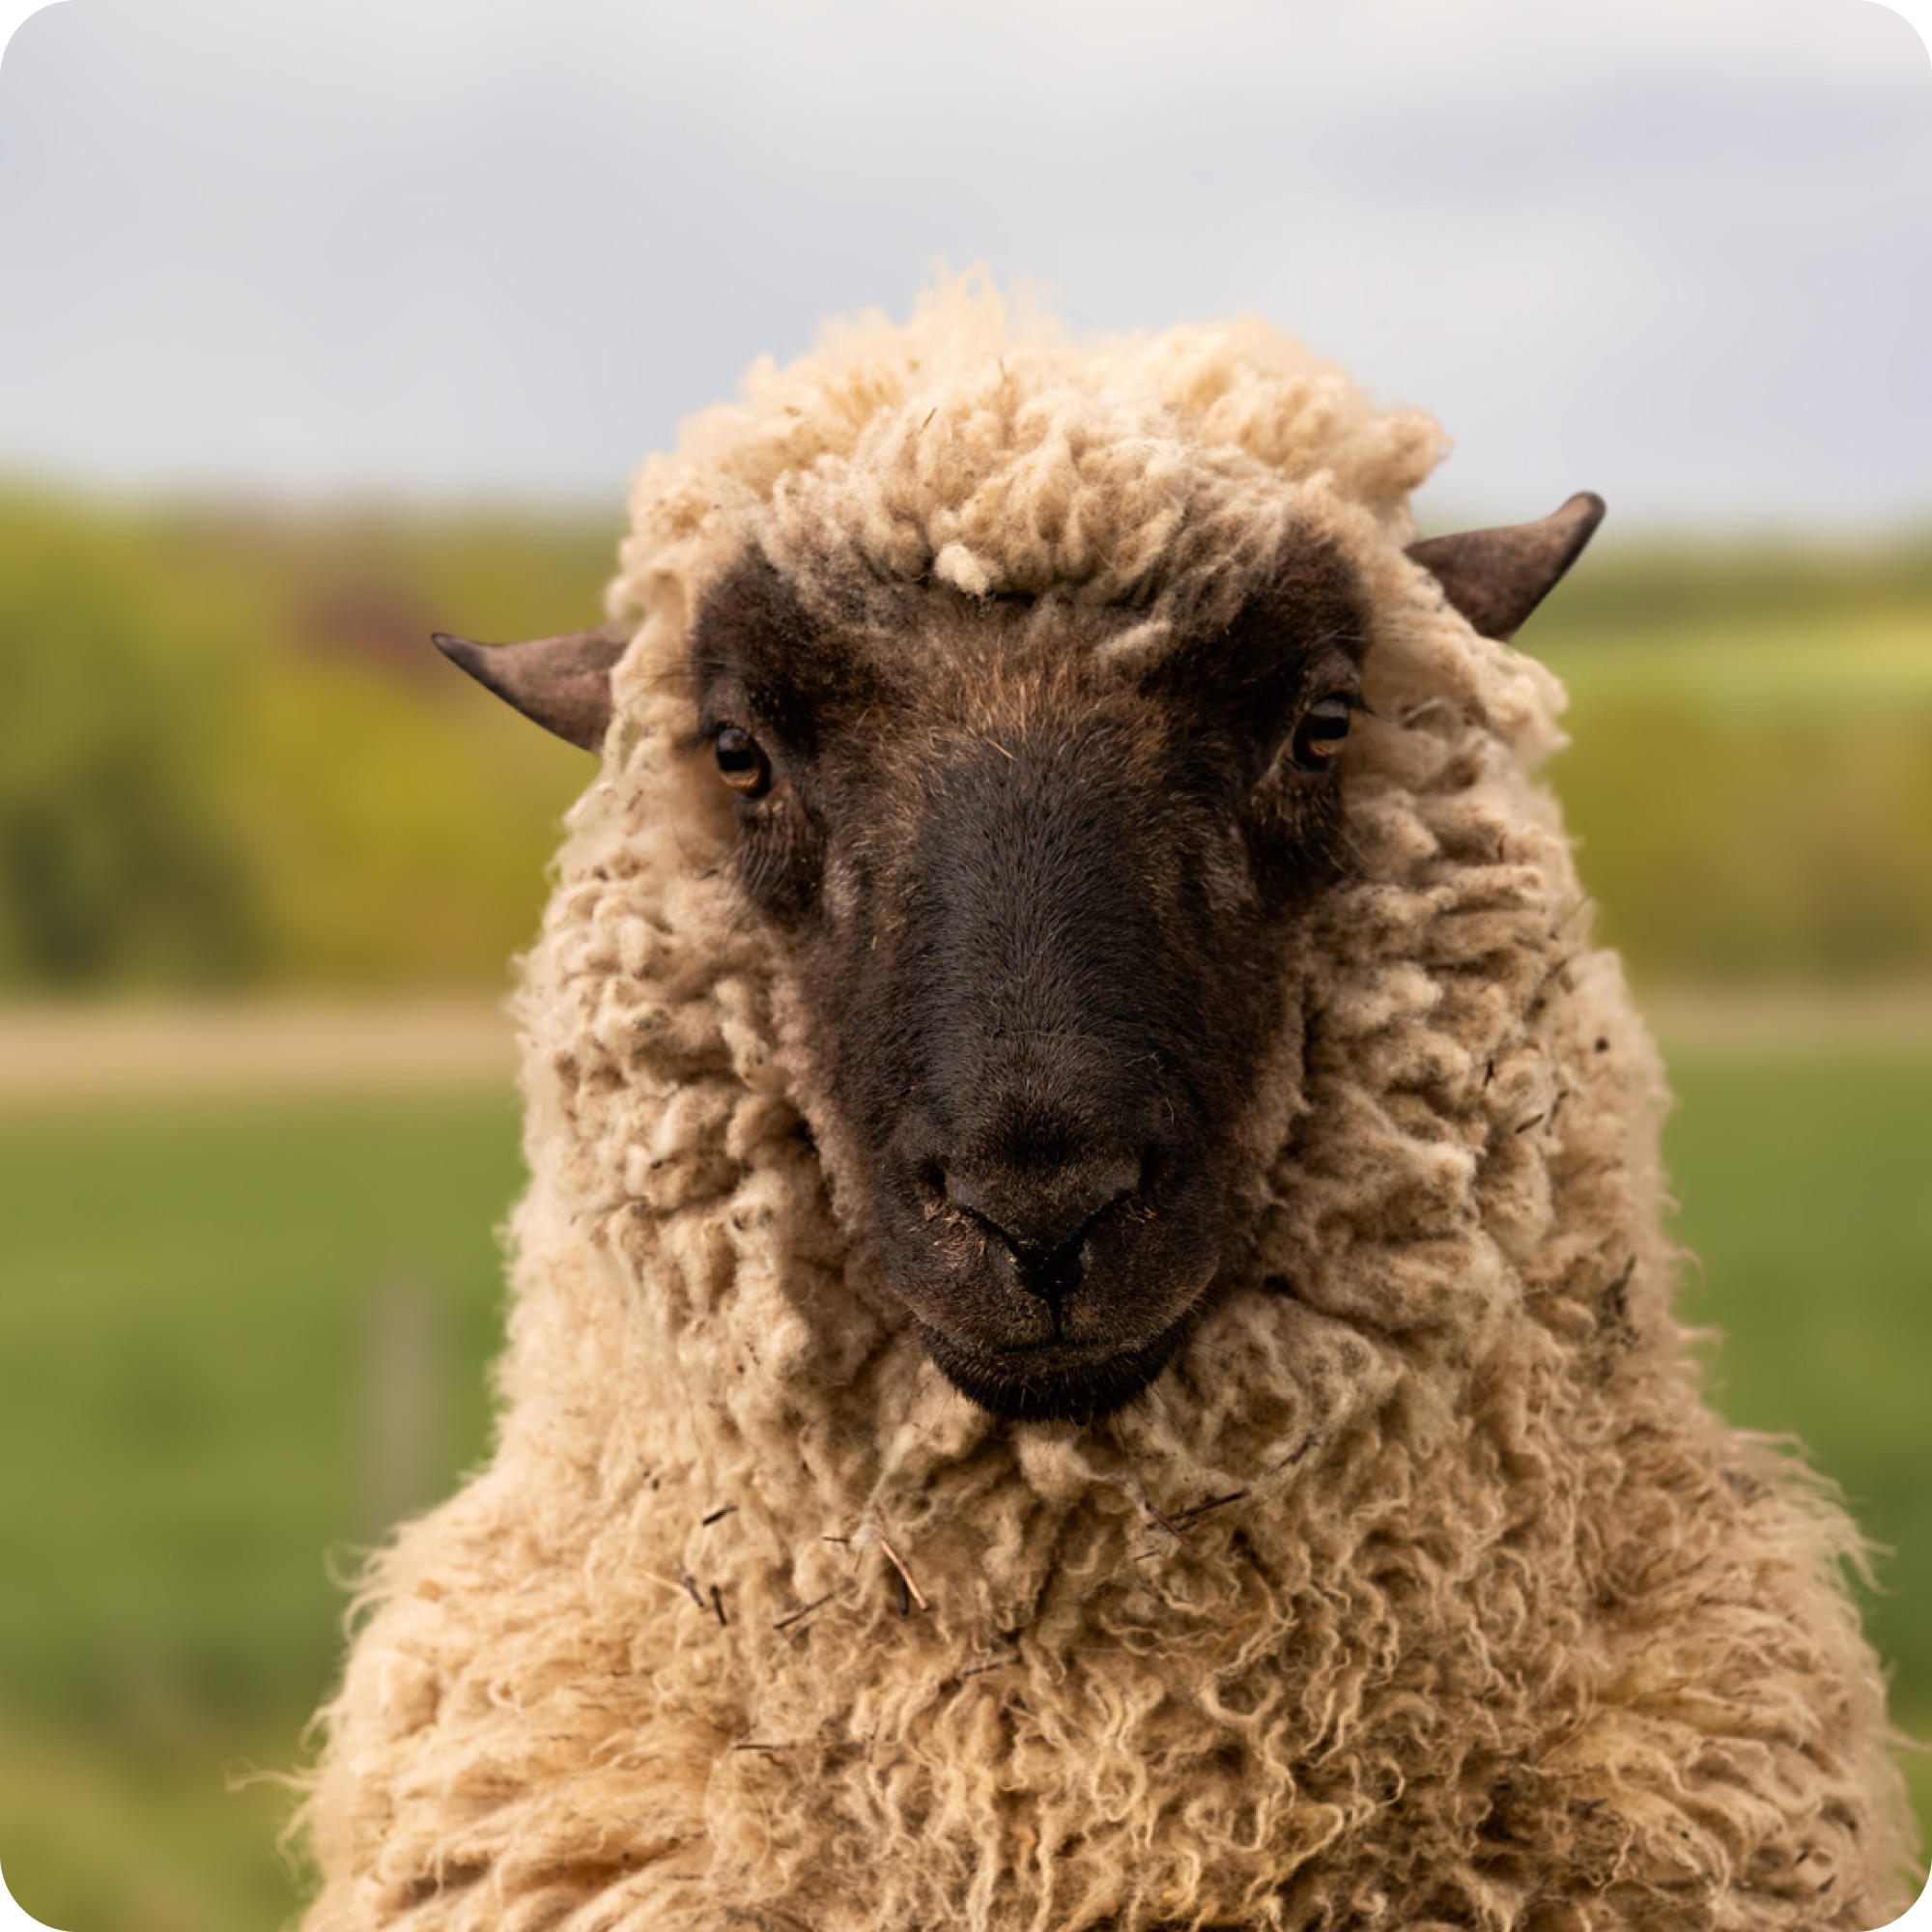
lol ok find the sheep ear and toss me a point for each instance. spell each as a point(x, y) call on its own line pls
point(563, 683)
point(1496, 578)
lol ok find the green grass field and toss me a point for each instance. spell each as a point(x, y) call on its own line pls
point(212, 1316)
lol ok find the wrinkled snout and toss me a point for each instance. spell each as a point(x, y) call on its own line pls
point(1040, 1193)
point(1052, 1254)
point(1043, 1219)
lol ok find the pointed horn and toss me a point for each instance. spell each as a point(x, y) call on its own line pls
point(563, 683)
point(1496, 578)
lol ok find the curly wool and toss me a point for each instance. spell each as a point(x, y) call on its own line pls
point(1422, 1593)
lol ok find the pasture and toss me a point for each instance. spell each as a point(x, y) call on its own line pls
point(238, 1333)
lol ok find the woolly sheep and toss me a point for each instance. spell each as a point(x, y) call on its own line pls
point(1330, 1535)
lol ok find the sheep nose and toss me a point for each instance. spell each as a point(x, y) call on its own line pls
point(1044, 1222)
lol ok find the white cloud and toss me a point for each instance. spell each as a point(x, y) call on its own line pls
point(432, 245)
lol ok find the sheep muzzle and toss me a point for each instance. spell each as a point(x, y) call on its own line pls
point(1051, 1259)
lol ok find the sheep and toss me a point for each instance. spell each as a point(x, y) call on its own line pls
point(1091, 1345)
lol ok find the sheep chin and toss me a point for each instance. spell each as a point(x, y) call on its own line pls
point(1055, 1383)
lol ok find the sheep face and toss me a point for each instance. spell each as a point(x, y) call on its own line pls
point(1033, 869)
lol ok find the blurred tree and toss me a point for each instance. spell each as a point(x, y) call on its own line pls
point(228, 755)
point(119, 865)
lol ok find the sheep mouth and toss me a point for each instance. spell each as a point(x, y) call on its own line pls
point(1052, 1381)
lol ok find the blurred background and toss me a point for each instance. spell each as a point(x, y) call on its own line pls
point(324, 326)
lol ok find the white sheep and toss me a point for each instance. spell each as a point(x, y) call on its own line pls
point(1092, 1341)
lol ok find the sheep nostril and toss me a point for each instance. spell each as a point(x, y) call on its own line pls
point(1044, 1226)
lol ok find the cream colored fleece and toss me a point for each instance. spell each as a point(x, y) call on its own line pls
point(1422, 1593)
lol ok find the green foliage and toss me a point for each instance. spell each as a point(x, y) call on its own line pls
point(119, 860)
point(1628, 590)
point(1753, 800)
point(228, 755)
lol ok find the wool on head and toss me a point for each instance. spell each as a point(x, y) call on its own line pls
point(1420, 1592)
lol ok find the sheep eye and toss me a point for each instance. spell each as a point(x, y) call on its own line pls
point(1320, 737)
point(741, 763)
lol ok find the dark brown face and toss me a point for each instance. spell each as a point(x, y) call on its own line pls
point(1038, 898)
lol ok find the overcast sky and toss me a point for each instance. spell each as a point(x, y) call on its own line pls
point(1679, 251)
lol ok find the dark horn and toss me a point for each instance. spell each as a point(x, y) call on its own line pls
point(563, 683)
point(1496, 578)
